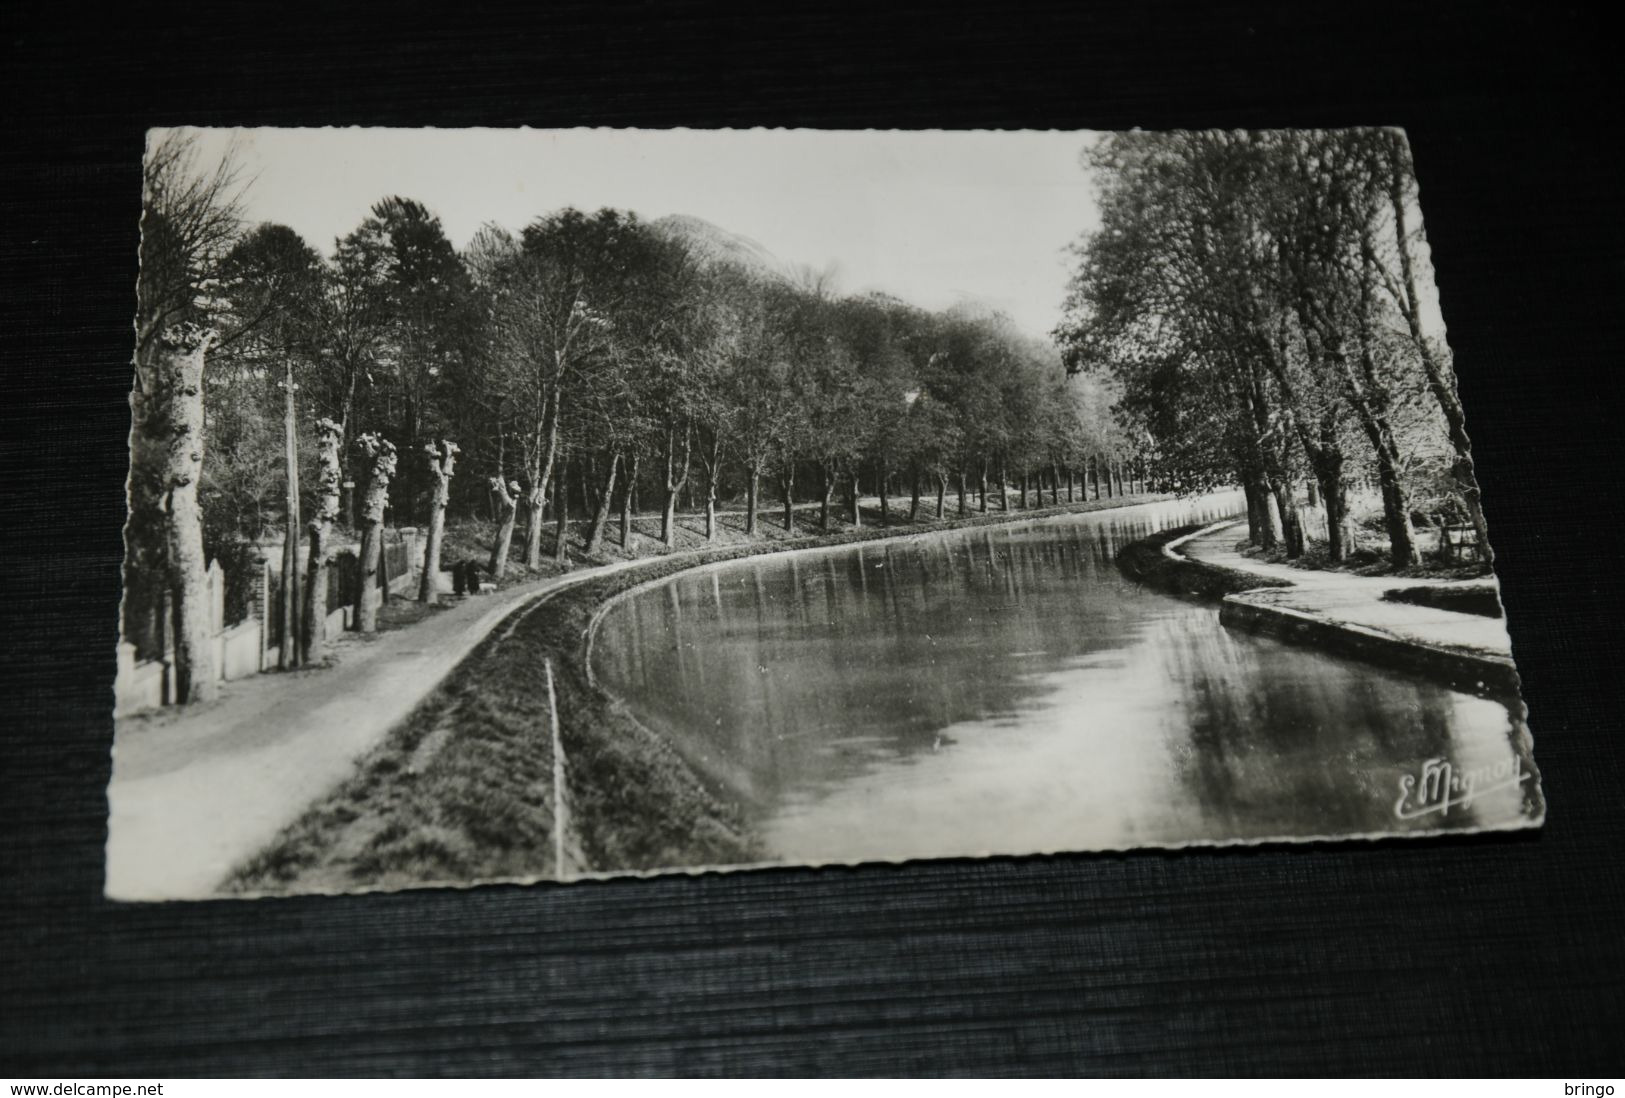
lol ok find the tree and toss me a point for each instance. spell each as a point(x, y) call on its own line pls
point(330, 436)
point(507, 497)
point(1233, 291)
point(442, 460)
point(378, 455)
point(190, 217)
point(351, 322)
point(1391, 160)
point(581, 276)
point(1327, 207)
point(767, 418)
point(417, 296)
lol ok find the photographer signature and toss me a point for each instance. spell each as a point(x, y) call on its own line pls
point(1439, 786)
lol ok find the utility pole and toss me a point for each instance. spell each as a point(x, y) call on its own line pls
point(288, 654)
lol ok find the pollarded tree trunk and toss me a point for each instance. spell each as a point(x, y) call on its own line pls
point(1054, 485)
point(379, 454)
point(853, 512)
point(170, 416)
point(914, 498)
point(942, 490)
point(961, 487)
point(826, 494)
point(600, 515)
point(885, 500)
point(442, 462)
point(787, 484)
point(507, 495)
point(981, 504)
point(1071, 484)
point(329, 436)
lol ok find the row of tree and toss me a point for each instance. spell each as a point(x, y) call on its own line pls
point(580, 362)
point(1260, 299)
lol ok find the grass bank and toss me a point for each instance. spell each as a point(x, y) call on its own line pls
point(464, 789)
point(1364, 560)
point(1478, 598)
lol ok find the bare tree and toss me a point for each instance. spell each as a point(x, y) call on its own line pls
point(1392, 160)
point(190, 216)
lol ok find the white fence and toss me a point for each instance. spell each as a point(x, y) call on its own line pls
point(244, 648)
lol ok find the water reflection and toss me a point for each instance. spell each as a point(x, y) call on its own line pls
point(1007, 689)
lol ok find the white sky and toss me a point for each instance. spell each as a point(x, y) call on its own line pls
point(928, 216)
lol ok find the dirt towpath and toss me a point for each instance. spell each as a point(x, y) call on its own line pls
point(197, 790)
point(1350, 599)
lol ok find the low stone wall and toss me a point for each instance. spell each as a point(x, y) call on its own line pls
point(243, 649)
point(1479, 674)
point(238, 653)
point(1246, 603)
point(338, 621)
point(139, 685)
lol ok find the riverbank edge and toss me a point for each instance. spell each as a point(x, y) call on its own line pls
point(615, 767)
point(1243, 605)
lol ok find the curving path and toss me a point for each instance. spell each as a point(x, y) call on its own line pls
point(197, 790)
point(1344, 598)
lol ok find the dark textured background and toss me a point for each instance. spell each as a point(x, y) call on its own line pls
point(1483, 956)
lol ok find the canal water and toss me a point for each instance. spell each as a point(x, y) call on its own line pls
point(1008, 690)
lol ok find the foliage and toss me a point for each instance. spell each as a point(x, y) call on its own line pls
point(589, 342)
point(1253, 297)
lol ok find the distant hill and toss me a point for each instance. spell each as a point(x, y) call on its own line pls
point(714, 244)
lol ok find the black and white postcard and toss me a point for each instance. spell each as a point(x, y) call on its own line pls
point(520, 505)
